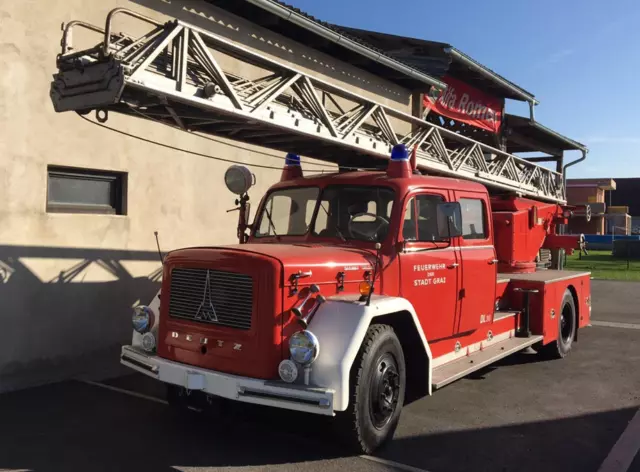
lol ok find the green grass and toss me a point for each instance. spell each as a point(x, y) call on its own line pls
point(604, 266)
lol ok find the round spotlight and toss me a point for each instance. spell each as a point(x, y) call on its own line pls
point(238, 179)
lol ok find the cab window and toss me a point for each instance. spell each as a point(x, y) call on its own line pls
point(421, 219)
point(473, 218)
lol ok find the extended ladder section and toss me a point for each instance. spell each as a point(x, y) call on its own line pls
point(173, 74)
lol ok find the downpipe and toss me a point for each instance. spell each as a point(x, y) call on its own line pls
point(564, 184)
point(572, 163)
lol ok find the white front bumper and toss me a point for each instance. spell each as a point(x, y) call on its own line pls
point(262, 392)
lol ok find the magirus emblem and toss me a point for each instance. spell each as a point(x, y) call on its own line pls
point(206, 311)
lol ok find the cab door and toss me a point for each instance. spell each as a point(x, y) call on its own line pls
point(478, 263)
point(429, 265)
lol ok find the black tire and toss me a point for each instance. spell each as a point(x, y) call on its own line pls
point(377, 387)
point(567, 325)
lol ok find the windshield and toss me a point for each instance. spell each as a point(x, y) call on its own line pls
point(341, 211)
point(288, 212)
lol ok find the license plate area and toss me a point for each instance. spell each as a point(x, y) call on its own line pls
point(194, 381)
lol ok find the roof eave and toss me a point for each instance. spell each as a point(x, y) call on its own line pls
point(310, 25)
point(517, 91)
point(569, 141)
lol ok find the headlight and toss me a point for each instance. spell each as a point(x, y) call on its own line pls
point(288, 370)
point(148, 342)
point(304, 347)
point(143, 319)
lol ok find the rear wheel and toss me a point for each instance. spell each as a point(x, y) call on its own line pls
point(377, 387)
point(567, 325)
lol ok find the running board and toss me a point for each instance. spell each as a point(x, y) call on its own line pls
point(454, 370)
point(500, 315)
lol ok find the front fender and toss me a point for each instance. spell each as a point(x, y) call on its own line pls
point(340, 324)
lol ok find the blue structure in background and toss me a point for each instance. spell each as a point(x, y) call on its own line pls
point(605, 241)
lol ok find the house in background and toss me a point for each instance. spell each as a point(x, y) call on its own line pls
point(615, 205)
point(593, 193)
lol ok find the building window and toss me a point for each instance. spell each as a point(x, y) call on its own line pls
point(473, 219)
point(71, 190)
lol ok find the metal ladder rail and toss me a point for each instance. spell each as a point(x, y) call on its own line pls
point(176, 63)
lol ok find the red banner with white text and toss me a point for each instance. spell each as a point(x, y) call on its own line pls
point(466, 104)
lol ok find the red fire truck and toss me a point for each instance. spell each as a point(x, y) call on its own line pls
point(352, 291)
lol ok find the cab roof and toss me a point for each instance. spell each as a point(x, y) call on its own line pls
point(373, 178)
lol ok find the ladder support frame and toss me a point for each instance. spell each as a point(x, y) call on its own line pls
point(173, 66)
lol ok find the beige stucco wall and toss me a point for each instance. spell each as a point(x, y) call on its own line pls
point(67, 281)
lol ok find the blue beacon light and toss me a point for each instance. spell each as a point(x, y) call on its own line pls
point(292, 159)
point(399, 153)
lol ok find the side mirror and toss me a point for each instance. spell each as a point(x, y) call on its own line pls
point(449, 220)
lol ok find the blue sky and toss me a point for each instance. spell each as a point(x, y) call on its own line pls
point(580, 58)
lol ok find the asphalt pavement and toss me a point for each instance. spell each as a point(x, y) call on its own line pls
point(523, 414)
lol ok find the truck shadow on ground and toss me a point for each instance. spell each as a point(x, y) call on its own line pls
point(520, 358)
point(74, 426)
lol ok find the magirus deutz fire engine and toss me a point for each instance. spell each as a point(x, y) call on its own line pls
point(352, 291)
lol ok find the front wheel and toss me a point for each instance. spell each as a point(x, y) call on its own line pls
point(377, 386)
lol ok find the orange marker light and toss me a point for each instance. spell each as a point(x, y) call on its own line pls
point(365, 288)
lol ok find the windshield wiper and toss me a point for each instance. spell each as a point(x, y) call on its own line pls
point(273, 227)
point(335, 226)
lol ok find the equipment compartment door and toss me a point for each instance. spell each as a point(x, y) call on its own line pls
point(479, 264)
point(429, 265)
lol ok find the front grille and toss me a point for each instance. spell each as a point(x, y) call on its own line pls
point(211, 296)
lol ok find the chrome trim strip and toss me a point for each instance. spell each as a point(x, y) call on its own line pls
point(486, 246)
point(450, 248)
point(248, 392)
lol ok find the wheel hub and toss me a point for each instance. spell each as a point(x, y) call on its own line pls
point(385, 391)
point(566, 323)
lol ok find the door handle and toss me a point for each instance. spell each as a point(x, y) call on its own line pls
point(492, 261)
point(453, 266)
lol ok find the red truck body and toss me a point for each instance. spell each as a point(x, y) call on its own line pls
point(349, 290)
point(454, 286)
point(434, 279)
